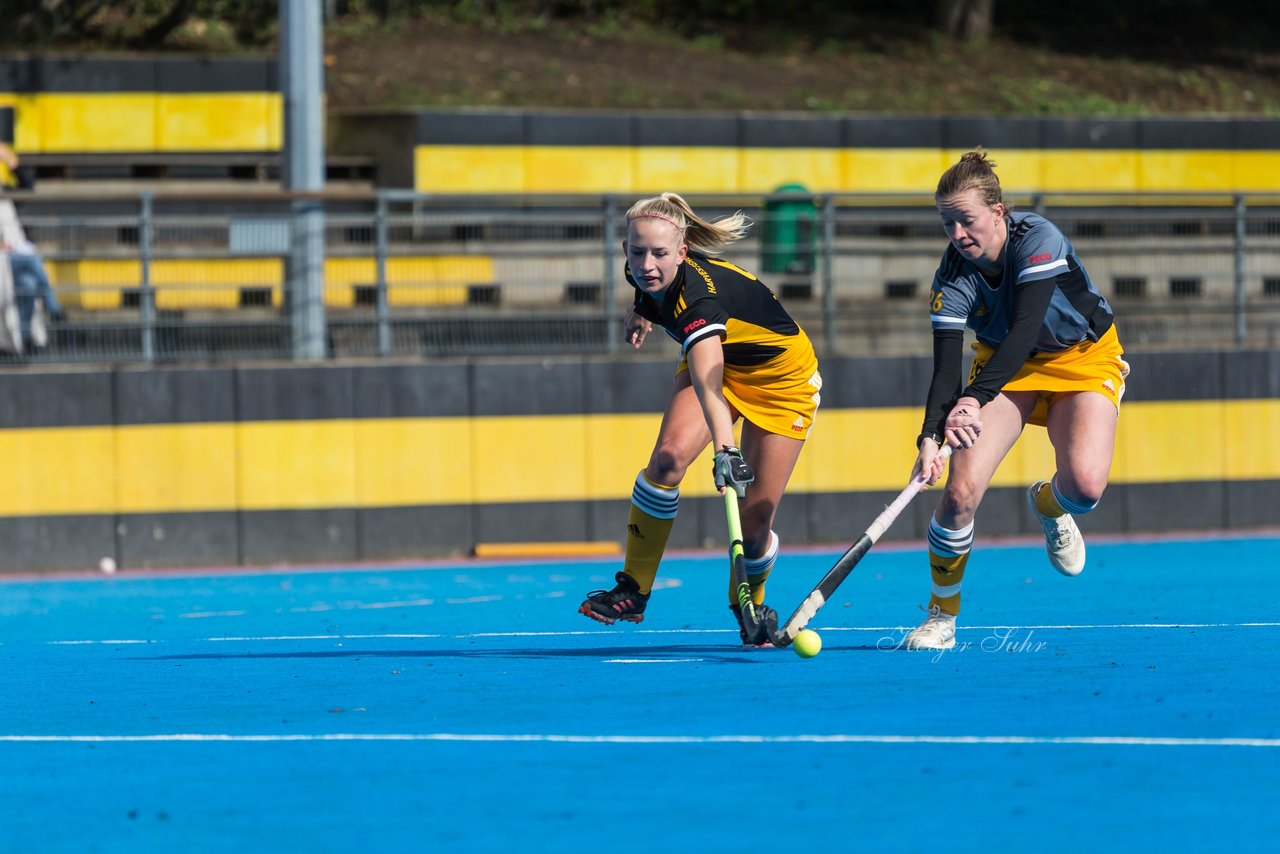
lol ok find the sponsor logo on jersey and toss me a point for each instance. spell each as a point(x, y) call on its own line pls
point(1039, 259)
point(706, 277)
point(694, 325)
point(798, 425)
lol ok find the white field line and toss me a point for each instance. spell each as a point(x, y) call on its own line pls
point(1088, 740)
point(436, 635)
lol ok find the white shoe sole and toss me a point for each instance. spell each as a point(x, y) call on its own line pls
point(922, 645)
point(1070, 570)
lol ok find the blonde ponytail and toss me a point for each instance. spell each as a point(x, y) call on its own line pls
point(703, 235)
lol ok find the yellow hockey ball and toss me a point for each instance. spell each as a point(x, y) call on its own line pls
point(807, 644)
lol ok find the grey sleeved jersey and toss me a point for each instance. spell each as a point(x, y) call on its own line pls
point(1035, 250)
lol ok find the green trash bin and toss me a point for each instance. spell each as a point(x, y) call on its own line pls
point(789, 233)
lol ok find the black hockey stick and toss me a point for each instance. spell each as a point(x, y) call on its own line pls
point(738, 565)
point(838, 573)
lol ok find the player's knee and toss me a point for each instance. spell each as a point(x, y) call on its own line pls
point(962, 495)
point(666, 466)
point(757, 519)
point(1081, 493)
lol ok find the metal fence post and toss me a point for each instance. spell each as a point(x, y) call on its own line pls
point(302, 170)
point(380, 285)
point(613, 330)
point(828, 273)
point(146, 296)
point(1241, 212)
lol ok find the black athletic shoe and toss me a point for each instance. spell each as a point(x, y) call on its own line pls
point(624, 602)
point(768, 629)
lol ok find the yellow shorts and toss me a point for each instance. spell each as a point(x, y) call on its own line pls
point(1097, 366)
point(781, 397)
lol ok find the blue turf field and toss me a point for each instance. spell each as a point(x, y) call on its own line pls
point(469, 707)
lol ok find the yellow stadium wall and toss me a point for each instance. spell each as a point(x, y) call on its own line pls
point(256, 465)
point(523, 169)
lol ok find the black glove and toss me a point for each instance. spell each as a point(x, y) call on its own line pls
point(731, 470)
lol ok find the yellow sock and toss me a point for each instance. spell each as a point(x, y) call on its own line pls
point(757, 585)
point(1047, 504)
point(758, 570)
point(653, 513)
point(947, 573)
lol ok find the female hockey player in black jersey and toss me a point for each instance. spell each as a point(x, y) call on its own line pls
point(743, 356)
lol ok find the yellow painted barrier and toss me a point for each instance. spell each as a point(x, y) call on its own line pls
point(423, 462)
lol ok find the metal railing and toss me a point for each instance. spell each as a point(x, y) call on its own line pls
point(179, 278)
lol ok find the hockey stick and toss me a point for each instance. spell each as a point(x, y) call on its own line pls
point(838, 573)
point(738, 565)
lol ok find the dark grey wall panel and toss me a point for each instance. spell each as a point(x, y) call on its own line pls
point(177, 539)
point(55, 542)
point(889, 131)
point(1163, 507)
point(711, 531)
point(1253, 503)
point(1003, 513)
point(393, 533)
point(19, 75)
point(668, 129)
point(527, 387)
point(585, 128)
point(607, 520)
point(629, 385)
point(968, 132)
point(1089, 133)
point(434, 390)
point(871, 382)
point(185, 74)
point(287, 393)
point(174, 396)
point(549, 522)
point(1174, 376)
point(73, 74)
point(791, 521)
point(55, 399)
point(1250, 374)
point(469, 128)
point(298, 536)
point(790, 131)
point(212, 74)
point(1186, 133)
point(1256, 134)
point(839, 519)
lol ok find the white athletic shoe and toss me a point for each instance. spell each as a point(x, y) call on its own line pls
point(1062, 539)
point(938, 631)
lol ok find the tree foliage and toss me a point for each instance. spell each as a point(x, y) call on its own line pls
point(137, 24)
point(1174, 29)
